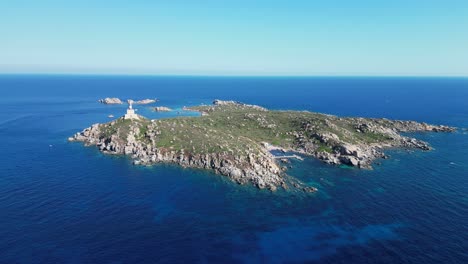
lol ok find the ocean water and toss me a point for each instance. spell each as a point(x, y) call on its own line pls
point(61, 202)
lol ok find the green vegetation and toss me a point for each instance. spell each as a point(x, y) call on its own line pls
point(119, 126)
point(324, 148)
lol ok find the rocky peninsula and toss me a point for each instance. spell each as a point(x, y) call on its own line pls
point(235, 140)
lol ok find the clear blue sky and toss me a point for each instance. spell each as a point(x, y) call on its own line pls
point(240, 37)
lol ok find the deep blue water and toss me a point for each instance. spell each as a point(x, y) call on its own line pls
point(61, 202)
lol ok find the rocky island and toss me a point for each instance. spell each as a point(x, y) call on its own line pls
point(109, 100)
point(145, 101)
point(162, 109)
point(235, 140)
point(115, 100)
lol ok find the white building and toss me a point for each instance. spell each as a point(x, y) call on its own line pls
point(130, 112)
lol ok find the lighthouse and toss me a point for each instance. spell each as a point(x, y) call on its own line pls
point(130, 111)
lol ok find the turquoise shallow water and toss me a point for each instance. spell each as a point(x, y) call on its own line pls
point(63, 203)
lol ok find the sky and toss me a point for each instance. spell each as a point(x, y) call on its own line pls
point(241, 37)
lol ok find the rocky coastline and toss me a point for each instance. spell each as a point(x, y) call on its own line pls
point(236, 140)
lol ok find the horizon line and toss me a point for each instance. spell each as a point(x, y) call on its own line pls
point(230, 75)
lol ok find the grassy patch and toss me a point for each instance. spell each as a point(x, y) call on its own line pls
point(325, 148)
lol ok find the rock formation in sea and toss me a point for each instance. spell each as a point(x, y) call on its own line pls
point(162, 109)
point(145, 101)
point(109, 100)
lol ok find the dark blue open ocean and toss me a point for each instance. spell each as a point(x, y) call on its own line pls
point(61, 202)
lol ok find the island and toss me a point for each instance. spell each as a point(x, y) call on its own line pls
point(145, 101)
point(162, 109)
point(109, 100)
point(238, 140)
point(115, 100)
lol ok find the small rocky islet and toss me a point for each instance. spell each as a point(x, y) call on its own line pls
point(115, 100)
point(110, 101)
point(235, 140)
point(162, 109)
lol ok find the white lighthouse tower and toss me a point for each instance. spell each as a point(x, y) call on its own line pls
point(130, 111)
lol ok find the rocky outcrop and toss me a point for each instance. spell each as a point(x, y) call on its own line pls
point(109, 100)
point(162, 109)
point(358, 152)
point(412, 126)
point(145, 101)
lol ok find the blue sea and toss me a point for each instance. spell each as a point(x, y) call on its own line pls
point(61, 202)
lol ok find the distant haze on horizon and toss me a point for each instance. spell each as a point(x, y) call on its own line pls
point(297, 37)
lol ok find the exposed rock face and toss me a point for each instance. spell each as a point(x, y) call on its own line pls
point(162, 109)
point(111, 101)
point(235, 140)
point(361, 153)
point(145, 101)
